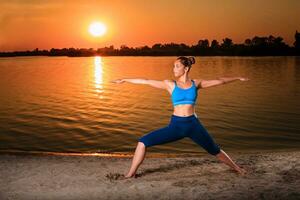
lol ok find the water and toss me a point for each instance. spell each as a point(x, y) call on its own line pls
point(62, 104)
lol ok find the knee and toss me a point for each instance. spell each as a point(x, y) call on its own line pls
point(142, 144)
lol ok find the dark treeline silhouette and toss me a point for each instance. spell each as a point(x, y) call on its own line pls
point(257, 46)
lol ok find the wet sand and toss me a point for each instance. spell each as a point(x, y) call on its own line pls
point(270, 176)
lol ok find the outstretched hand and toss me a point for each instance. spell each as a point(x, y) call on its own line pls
point(118, 81)
point(244, 79)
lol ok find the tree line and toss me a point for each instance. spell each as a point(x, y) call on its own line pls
point(257, 46)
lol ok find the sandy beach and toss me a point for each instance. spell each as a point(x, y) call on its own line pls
point(270, 176)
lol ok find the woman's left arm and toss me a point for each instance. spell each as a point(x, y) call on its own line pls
point(219, 81)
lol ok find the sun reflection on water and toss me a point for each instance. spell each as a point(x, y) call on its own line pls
point(98, 75)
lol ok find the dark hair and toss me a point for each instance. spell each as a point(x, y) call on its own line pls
point(187, 61)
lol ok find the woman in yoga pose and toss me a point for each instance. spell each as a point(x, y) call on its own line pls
point(184, 121)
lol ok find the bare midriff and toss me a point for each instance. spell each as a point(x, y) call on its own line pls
point(184, 110)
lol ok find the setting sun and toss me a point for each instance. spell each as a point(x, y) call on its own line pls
point(97, 29)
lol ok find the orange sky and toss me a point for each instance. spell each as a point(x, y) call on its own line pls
point(30, 24)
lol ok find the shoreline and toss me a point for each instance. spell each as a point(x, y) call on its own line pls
point(272, 175)
point(149, 154)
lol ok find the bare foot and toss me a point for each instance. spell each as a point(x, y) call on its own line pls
point(128, 176)
point(241, 171)
point(133, 176)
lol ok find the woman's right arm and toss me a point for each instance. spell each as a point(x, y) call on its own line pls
point(154, 83)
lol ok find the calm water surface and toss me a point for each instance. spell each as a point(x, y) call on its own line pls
point(62, 104)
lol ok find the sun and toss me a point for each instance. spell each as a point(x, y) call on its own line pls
point(97, 29)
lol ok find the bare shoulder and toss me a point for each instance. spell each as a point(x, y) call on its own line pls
point(169, 82)
point(170, 85)
point(198, 82)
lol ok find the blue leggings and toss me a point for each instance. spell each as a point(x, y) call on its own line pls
point(178, 128)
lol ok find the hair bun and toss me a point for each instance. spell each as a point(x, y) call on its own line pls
point(191, 60)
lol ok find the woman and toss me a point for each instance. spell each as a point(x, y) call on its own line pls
point(184, 121)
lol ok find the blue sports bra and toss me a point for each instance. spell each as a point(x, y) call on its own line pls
point(184, 96)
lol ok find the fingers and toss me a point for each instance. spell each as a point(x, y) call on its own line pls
point(117, 81)
point(244, 79)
